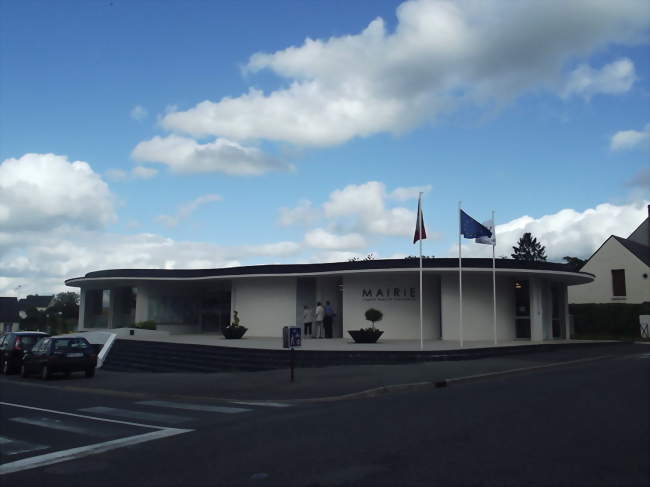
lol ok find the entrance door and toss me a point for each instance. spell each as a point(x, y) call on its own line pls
point(522, 309)
point(215, 309)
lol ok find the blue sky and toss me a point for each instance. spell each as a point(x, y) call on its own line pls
point(247, 132)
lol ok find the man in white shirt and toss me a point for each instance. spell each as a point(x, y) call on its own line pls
point(307, 319)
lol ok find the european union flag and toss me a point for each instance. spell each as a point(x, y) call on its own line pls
point(470, 228)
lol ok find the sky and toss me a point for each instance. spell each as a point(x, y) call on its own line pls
point(199, 134)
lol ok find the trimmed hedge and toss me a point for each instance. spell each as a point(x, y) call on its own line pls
point(610, 320)
point(145, 325)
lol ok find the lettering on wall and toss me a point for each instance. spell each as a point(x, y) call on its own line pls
point(389, 294)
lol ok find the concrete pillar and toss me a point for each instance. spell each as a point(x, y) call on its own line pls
point(82, 308)
point(564, 312)
point(141, 304)
point(536, 310)
point(112, 303)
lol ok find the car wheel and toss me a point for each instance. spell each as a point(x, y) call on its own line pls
point(23, 371)
point(90, 372)
point(45, 372)
point(6, 370)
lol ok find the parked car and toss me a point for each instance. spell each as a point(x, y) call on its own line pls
point(60, 354)
point(13, 345)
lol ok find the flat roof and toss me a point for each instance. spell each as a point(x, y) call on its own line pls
point(503, 266)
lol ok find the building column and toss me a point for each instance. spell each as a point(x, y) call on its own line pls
point(141, 304)
point(112, 307)
point(82, 309)
point(536, 310)
point(564, 312)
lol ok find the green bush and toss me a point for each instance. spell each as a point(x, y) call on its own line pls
point(609, 320)
point(373, 315)
point(145, 325)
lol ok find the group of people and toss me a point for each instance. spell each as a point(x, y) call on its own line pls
point(318, 321)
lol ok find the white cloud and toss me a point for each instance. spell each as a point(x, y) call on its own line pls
point(186, 155)
point(41, 261)
point(441, 54)
point(413, 192)
point(613, 79)
point(185, 210)
point(641, 179)
point(138, 172)
point(303, 214)
point(567, 232)
point(362, 208)
point(322, 239)
point(139, 113)
point(44, 191)
point(630, 139)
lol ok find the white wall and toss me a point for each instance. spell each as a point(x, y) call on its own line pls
point(478, 323)
point(265, 304)
point(612, 255)
point(401, 313)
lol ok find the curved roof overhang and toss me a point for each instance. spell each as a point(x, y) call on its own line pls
point(128, 277)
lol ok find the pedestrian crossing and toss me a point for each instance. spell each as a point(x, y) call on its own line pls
point(110, 423)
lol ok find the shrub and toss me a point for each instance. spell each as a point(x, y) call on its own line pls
point(374, 315)
point(145, 325)
point(608, 320)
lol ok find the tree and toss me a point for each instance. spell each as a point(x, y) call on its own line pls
point(67, 304)
point(574, 262)
point(528, 249)
point(373, 315)
point(370, 256)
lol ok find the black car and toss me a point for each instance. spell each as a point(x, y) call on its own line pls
point(13, 345)
point(60, 354)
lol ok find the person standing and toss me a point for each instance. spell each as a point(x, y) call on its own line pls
point(307, 319)
point(319, 316)
point(328, 319)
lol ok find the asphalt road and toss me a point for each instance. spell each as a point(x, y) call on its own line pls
point(579, 425)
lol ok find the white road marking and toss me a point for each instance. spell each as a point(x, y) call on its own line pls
point(263, 403)
point(95, 418)
point(57, 424)
point(9, 446)
point(194, 407)
point(127, 413)
point(84, 451)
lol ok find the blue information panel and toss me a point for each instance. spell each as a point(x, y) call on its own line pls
point(294, 336)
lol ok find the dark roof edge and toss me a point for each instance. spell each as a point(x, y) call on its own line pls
point(280, 269)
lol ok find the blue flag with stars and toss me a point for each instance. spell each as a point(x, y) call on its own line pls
point(470, 228)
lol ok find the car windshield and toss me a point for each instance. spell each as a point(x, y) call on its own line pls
point(28, 341)
point(71, 344)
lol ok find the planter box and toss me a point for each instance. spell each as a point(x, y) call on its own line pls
point(234, 332)
point(364, 336)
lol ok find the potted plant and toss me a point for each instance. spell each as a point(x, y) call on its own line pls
point(234, 330)
point(370, 334)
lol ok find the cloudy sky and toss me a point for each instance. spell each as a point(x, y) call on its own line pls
point(193, 134)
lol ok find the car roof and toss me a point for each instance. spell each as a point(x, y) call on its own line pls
point(22, 333)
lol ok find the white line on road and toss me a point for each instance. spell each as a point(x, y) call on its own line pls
point(59, 425)
point(73, 453)
point(84, 451)
point(9, 446)
point(263, 403)
point(194, 407)
point(127, 413)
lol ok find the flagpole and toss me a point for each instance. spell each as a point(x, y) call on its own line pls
point(494, 280)
point(460, 279)
point(420, 231)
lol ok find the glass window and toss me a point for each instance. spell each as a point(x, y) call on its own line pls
point(618, 282)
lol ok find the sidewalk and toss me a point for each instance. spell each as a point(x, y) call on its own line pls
point(326, 383)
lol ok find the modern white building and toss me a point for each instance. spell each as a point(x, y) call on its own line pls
point(531, 298)
point(621, 267)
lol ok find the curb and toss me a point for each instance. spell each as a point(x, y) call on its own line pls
point(377, 391)
point(367, 393)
